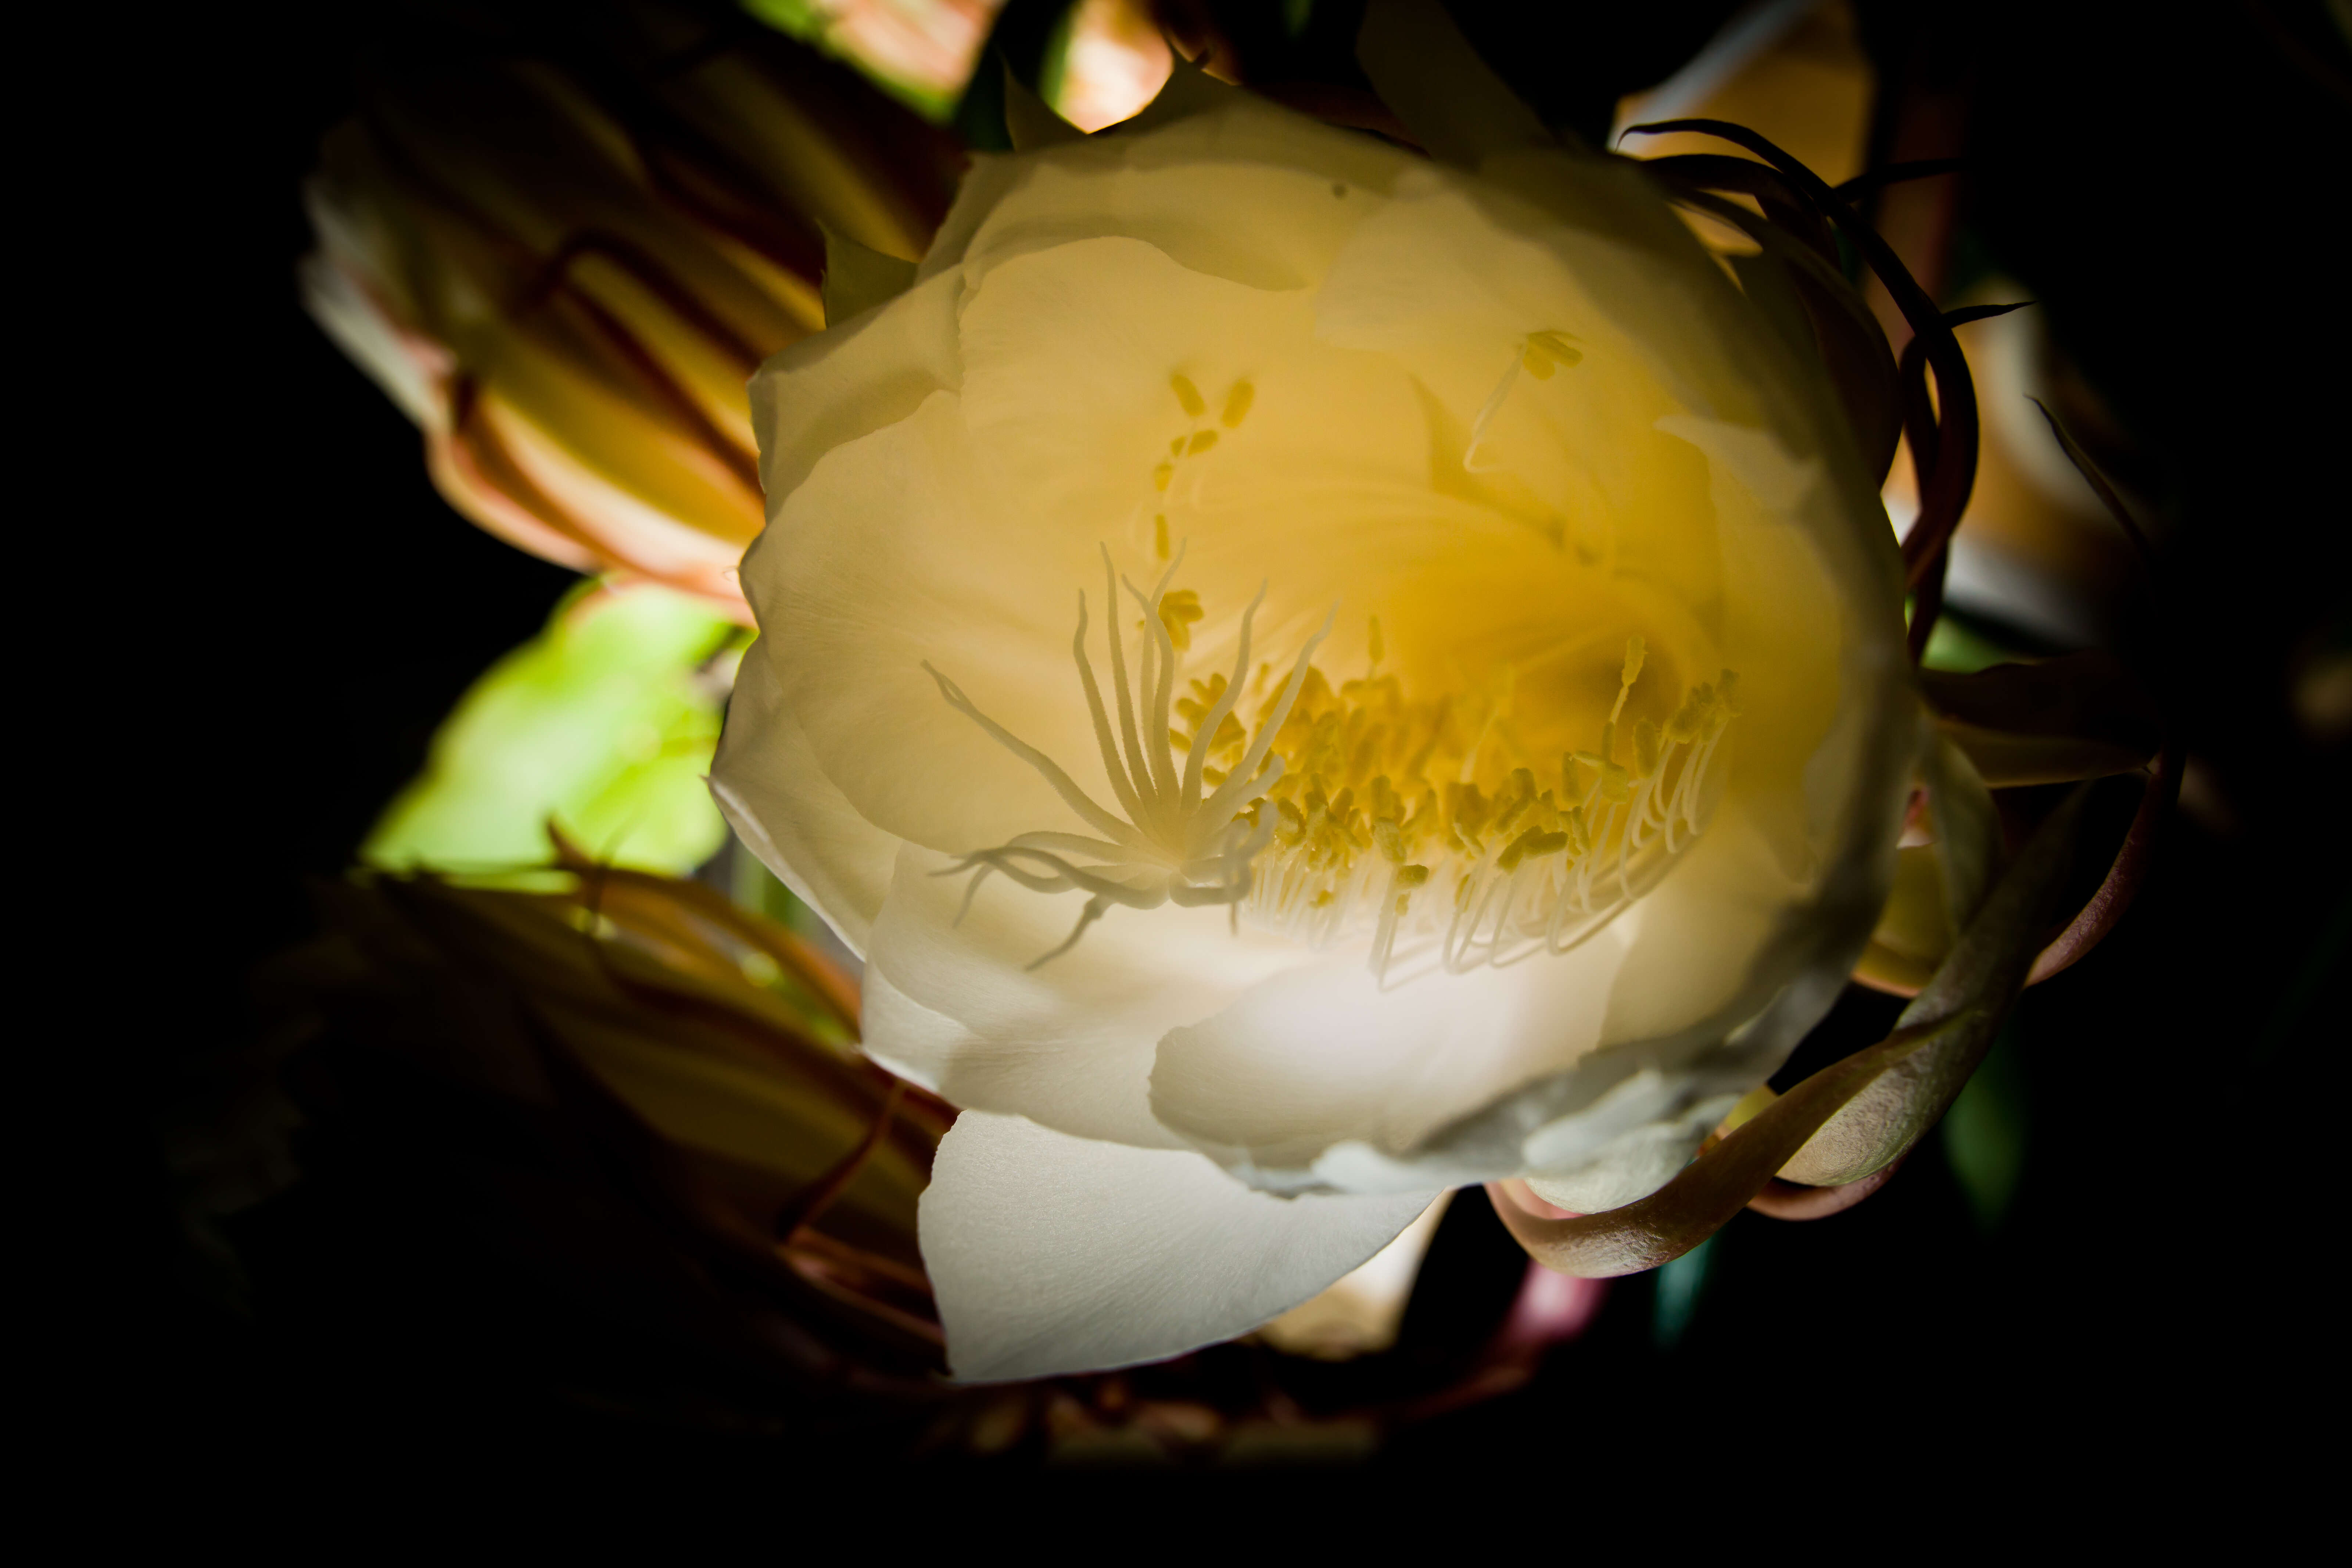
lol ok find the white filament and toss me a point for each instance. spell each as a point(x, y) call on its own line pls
point(1171, 846)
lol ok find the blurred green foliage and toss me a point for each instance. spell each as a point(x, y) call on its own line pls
point(605, 724)
point(1984, 1132)
point(819, 25)
point(1677, 1289)
point(1963, 648)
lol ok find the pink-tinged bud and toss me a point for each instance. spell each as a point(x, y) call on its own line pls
point(564, 260)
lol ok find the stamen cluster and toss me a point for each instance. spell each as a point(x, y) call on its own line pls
point(1381, 800)
point(1340, 806)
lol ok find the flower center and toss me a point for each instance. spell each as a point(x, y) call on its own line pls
point(1360, 809)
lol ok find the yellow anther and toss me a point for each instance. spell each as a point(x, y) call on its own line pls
point(1723, 690)
point(1636, 650)
point(1203, 697)
point(1547, 351)
point(1176, 447)
point(1425, 818)
point(1161, 475)
point(1512, 853)
point(1237, 404)
point(1390, 841)
point(1178, 611)
point(1580, 837)
point(1465, 807)
point(1645, 749)
point(1188, 395)
point(1204, 441)
point(1615, 784)
point(1323, 899)
point(1159, 536)
point(1532, 845)
point(1518, 794)
point(1412, 876)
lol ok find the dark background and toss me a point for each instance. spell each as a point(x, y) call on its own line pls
point(301, 610)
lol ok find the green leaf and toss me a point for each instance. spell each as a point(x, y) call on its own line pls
point(602, 724)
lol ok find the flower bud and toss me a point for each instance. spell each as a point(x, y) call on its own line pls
point(564, 272)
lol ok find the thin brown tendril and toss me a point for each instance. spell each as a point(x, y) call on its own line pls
point(2129, 870)
point(804, 1207)
point(1871, 182)
point(1944, 487)
point(1920, 425)
point(1927, 606)
point(2133, 857)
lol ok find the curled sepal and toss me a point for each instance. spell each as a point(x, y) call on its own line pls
point(1939, 884)
point(2078, 716)
point(858, 278)
point(1853, 1118)
point(1030, 121)
point(1189, 90)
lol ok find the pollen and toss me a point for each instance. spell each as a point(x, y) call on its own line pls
point(1402, 818)
point(1540, 355)
point(1238, 398)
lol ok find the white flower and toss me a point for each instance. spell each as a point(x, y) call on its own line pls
point(1311, 678)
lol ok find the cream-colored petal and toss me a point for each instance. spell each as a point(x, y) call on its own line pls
point(892, 553)
point(1069, 356)
point(1574, 455)
point(1324, 1054)
point(1640, 1160)
point(1068, 1043)
point(964, 534)
point(769, 785)
point(1052, 1255)
point(843, 384)
point(1556, 1064)
point(1247, 192)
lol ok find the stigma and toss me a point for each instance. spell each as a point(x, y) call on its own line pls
point(1360, 811)
point(1170, 842)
